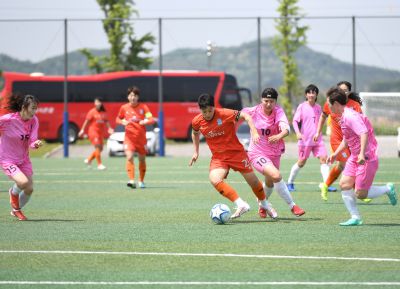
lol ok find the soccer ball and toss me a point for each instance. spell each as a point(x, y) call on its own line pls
point(220, 213)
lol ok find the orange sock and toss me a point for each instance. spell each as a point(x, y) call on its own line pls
point(333, 175)
point(92, 156)
point(227, 191)
point(98, 156)
point(259, 191)
point(130, 169)
point(142, 170)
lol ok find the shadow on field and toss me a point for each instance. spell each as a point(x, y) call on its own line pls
point(53, 220)
point(383, 225)
point(278, 220)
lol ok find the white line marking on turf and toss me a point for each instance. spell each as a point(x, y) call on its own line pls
point(199, 283)
point(199, 255)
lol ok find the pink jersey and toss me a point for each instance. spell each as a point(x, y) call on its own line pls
point(353, 124)
point(307, 118)
point(17, 135)
point(267, 126)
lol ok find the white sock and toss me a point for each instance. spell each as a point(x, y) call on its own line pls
point(23, 199)
point(349, 199)
point(377, 191)
point(293, 173)
point(283, 191)
point(263, 203)
point(240, 203)
point(324, 172)
point(267, 190)
point(15, 190)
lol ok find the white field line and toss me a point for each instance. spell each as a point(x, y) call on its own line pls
point(370, 259)
point(223, 283)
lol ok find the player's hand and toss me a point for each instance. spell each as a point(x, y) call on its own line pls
point(110, 130)
point(361, 159)
point(255, 137)
point(316, 136)
point(331, 159)
point(274, 139)
point(299, 136)
point(38, 143)
point(81, 132)
point(194, 159)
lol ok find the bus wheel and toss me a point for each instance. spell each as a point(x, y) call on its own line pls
point(72, 133)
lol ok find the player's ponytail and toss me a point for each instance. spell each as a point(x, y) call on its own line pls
point(354, 96)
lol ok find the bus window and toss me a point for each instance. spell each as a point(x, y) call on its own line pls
point(188, 89)
point(45, 91)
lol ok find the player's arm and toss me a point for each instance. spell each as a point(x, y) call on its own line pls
point(253, 131)
point(363, 146)
point(82, 131)
point(148, 117)
point(333, 156)
point(120, 119)
point(34, 141)
point(321, 122)
point(196, 144)
point(277, 137)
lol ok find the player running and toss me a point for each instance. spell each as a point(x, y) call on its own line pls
point(265, 155)
point(218, 127)
point(97, 121)
point(134, 116)
point(305, 122)
point(360, 169)
point(354, 102)
point(19, 132)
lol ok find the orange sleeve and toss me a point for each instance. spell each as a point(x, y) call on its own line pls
point(121, 113)
point(326, 110)
point(89, 115)
point(196, 123)
point(230, 115)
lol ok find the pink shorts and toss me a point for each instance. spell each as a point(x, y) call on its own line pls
point(364, 174)
point(259, 161)
point(11, 169)
point(318, 150)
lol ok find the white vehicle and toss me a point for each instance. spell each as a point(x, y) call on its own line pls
point(115, 143)
point(243, 134)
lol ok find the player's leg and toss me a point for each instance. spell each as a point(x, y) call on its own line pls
point(98, 150)
point(258, 190)
point(142, 168)
point(349, 198)
point(130, 168)
point(319, 151)
point(304, 153)
point(20, 194)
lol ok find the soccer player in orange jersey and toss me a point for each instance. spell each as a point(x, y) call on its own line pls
point(134, 116)
point(218, 127)
point(97, 121)
point(354, 102)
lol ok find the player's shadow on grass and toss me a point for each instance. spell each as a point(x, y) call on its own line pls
point(53, 220)
point(278, 220)
point(383, 225)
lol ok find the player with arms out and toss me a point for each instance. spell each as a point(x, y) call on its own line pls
point(361, 167)
point(218, 127)
point(134, 116)
point(305, 122)
point(354, 102)
point(265, 155)
point(97, 121)
point(19, 133)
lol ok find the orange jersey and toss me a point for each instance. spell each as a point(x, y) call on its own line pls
point(219, 132)
point(336, 131)
point(97, 122)
point(133, 130)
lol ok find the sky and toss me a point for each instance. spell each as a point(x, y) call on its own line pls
point(378, 40)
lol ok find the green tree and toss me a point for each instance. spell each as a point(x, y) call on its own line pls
point(290, 38)
point(126, 50)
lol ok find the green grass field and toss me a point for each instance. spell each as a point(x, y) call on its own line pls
point(162, 236)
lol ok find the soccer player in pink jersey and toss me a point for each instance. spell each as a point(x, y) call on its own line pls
point(19, 132)
point(265, 156)
point(360, 168)
point(305, 122)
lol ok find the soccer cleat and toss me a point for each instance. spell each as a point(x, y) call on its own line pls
point(14, 200)
point(366, 200)
point(392, 193)
point(271, 212)
point(262, 212)
point(352, 222)
point(297, 211)
point(240, 211)
point(88, 163)
point(131, 185)
point(142, 185)
point(18, 214)
point(324, 191)
point(101, 167)
point(291, 187)
point(332, 189)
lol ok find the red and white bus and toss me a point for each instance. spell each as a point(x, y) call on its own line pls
point(180, 92)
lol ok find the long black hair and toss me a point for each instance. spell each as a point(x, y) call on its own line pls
point(352, 95)
point(102, 108)
point(18, 101)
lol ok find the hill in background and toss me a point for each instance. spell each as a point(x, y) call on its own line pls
point(241, 61)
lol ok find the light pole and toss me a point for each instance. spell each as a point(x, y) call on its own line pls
point(209, 52)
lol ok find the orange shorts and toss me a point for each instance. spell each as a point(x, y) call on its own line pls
point(140, 148)
point(96, 139)
point(238, 161)
point(343, 156)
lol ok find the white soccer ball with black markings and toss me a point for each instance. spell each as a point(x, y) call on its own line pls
point(220, 213)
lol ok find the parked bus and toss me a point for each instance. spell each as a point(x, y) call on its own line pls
point(180, 92)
